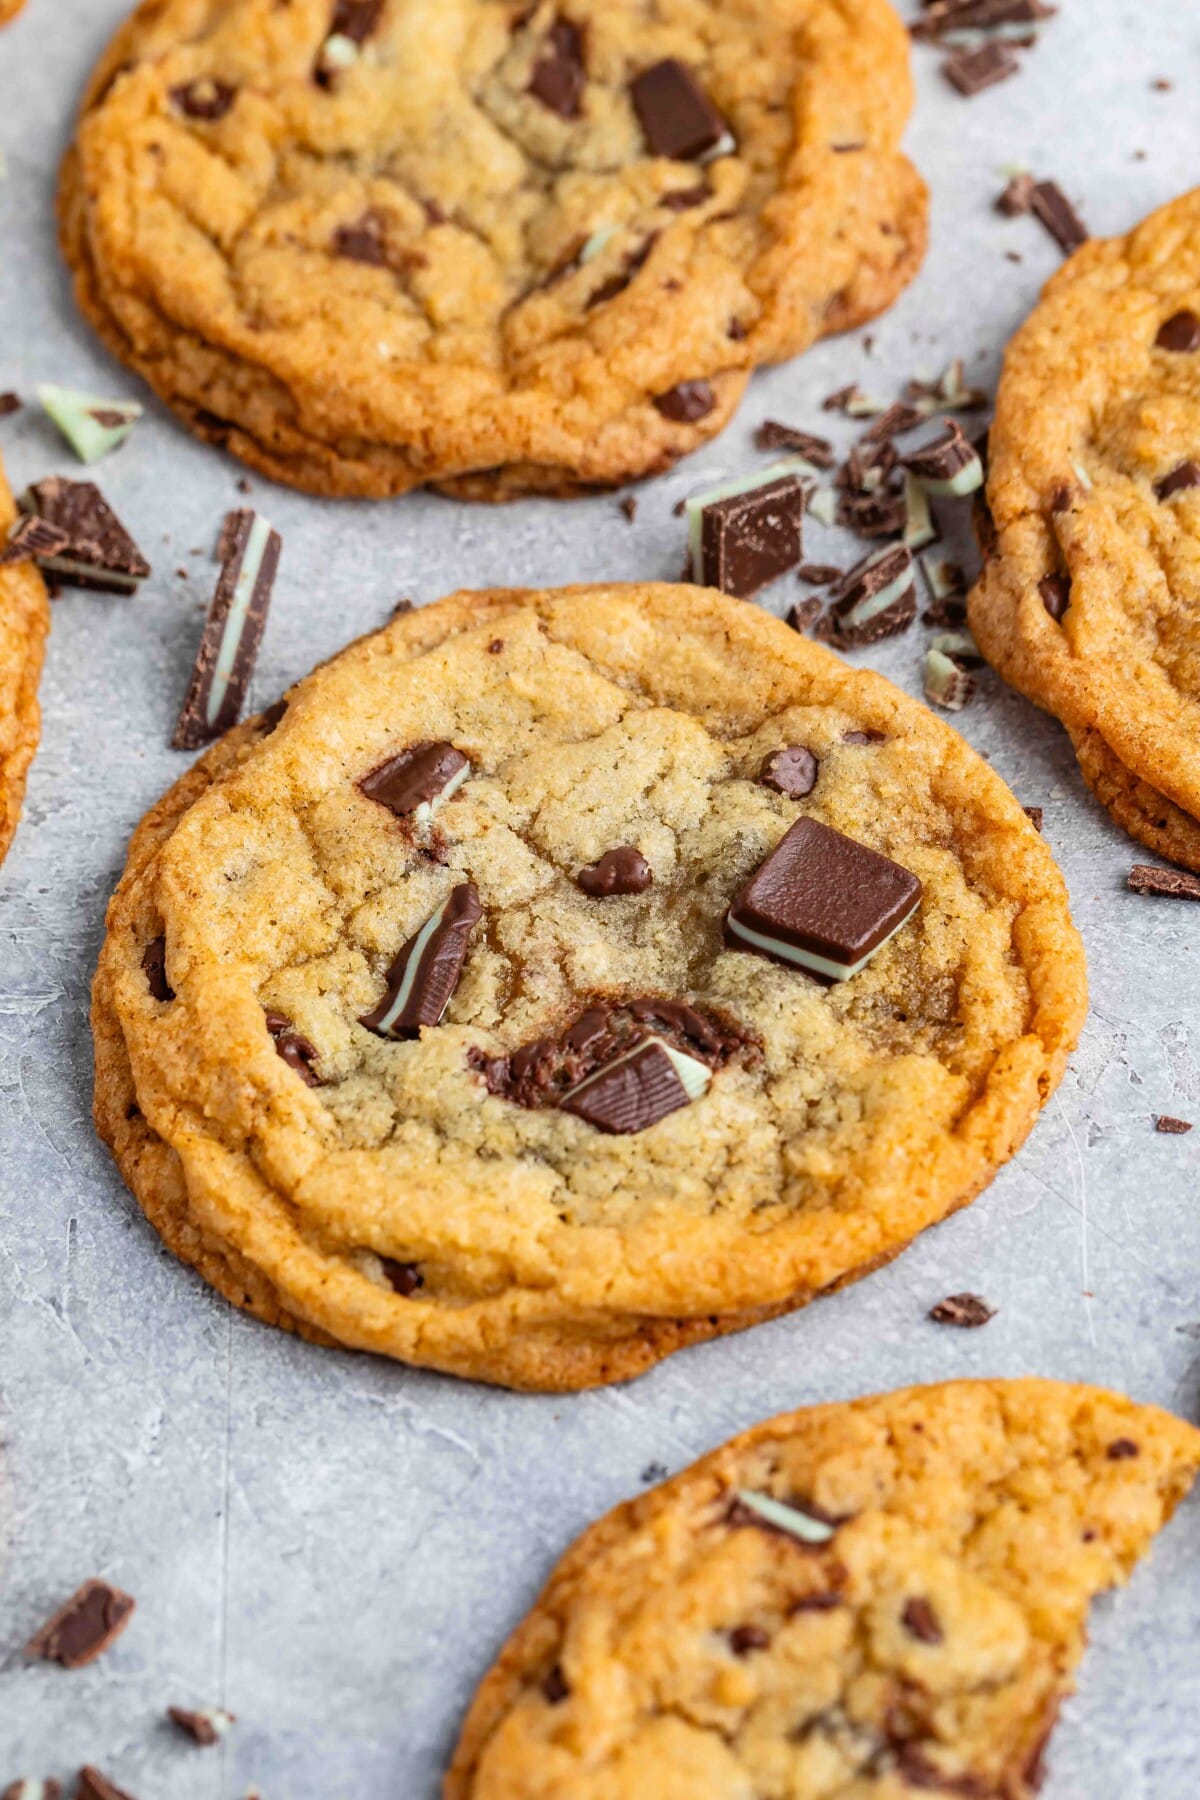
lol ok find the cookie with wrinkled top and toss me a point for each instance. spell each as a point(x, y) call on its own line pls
point(863, 1601)
point(500, 248)
point(24, 624)
point(1090, 593)
point(377, 1063)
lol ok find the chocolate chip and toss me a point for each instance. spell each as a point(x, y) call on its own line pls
point(822, 902)
point(422, 980)
point(100, 554)
point(1056, 594)
point(154, 965)
point(971, 71)
point(554, 1687)
point(92, 1785)
point(1180, 333)
point(204, 98)
point(1051, 207)
point(363, 240)
point(205, 1728)
point(1172, 1127)
point(1017, 197)
point(620, 871)
point(84, 1626)
point(233, 629)
point(921, 1622)
point(686, 402)
point(496, 647)
point(297, 1052)
point(1121, 1450)
point(773, 435)
point(677, 116)
point(405, 1277)
point(791, 772)
point(418, 776)
point(1187, 475)
point(9, 403)
point(1174, 883)
point(863, 737)
point(745, 1639)
point(559, 74)
point(968, 1311)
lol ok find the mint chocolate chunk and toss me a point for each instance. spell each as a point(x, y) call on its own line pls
point(99, 553)
point(32, 1790)
point(638, 1088)
point(746, 535)
point(90, 425)
point(877, 598)
point(949, 465)
point(418, 776)
point(677, 116)
point(422, 980)
point(822, 902)
point(232, 632)
point(559, 74)
point(84, 1626)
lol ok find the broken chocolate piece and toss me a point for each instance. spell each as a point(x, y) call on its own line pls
point(745, 535)
point(638, 1088)
point(422, 775)
point(949, 466)
point(686, 402)
point(877, 598)
point(1016, 199)
point(92, 1785)
point(677, 116)
point(1050, 205)
point(363, 239)
point(405, 1277)
point(969, 1311)
point(791, 772)
point(84, 1626)
point(822, 902)
point(422, 980)
point(559, 74)
point(154, 965)
point(971, 71)
point(100, 554)
point(1180, 333)
point(805, 613)
point(1145, 879)
point(93, 427)
point(772, 435)
point(628, 505)
point(1187, 475)
point(32, 540)
point(204, 1728)
point(232, 633)
point(620, 871)
point(297, 1052)
point(921, 1622)
point(1056, 594)
point(1170, 1126)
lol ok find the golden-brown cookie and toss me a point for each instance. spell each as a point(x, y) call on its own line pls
point(445, 1198)
point(857, 1602)
point(9, 10)
point(1089, 599)
point(24, 623)
point(369, 244)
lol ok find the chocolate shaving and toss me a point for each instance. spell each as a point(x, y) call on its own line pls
point(84, 1626)
point(1174, 883)
point(404, 1277)
point(898, 419)
point(819, 574)
point(967, 1311)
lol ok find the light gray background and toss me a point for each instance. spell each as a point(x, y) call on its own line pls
point(334, 1547)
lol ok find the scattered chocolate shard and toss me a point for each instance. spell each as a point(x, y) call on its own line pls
point(272, 717)
point(1171, 1126)
point(232, 633)
point(972, 71)
point(686, 402)
point(294, 1049)
point(822, 902)
point(560, 72)
point(947, 683)
point(745, 535)
point(819, 574)
point(773, 435)
point(921, 1621)
point(840, 399)
point(91, 1784)
point(1175, 884)
point(405, 1278)
point(32, 1790)
point(363, 240)
point(620, 871)
point(9, 403)
point(84, 1626)
point(1180, 333)
point(154, 967)
point(205, 98)
point(967, 1311)
point(1056, 594)
point(100, 554)
point(877, 598)
point(422, 775)
point(32, 540)
point(805, 613)
point(791, 771)
point(422, 980)
point(1035, 815)
point(205, 1728)
point(1016, 198)
point(1187, 475)
point(949, 465)
point(1051, 207)
point(677, 116)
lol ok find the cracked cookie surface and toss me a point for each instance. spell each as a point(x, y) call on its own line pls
point(920, 1638)
point(535, 1248)
point(1090, 596)
point(380, 243)
point(24, 624)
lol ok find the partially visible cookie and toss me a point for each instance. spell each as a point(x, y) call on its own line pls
point(1089, 600)
point(9, 10)
point(418, 1026)
point(24, 623)
point(498, 247)
point(858, 1602)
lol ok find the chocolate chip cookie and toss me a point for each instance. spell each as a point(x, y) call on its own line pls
point(562, 978)
point(1090, 594)
point(24, 623)
point(494, 246)
point(882, 1598)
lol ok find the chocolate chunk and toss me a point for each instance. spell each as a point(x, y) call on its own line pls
point(772, 435)
point(920, 1621)
point(742, 540)
point(355, 19)
point(32, 1790)
point(297, 1052)
point(422, 980)
point(971, 71)
point(233, 631)
point(1187, 475)
point(863, 737)
point(633, 1092)
point(949, 465)
point(1017, 198)
point(683, 199)
point(822, 902)
point(1121, 1449)
point(204, 1728)
point(554, 1687)
point(819, 574)
point(100, 554)
point(1056, 594)
point(744, 1640)
point(947, 682)
point(405, 1277)
point(969, 1311)
point(33, 540)
point(92, 1619)
point(92, 1785)
point(686, 402)
point(1180, 333)
point(9, 403)
point(621, 871)
point(1035, 816)
point(154, 964)
point(805, 613)
point(873, 515)
point(895, 422)
point(677, 116)
point(1172, 1127)
point(1145, 879)
point(877, 598)
point(1050, 205)
point(791, 772)
point(419, 776)
point(205, 98)
point(363, 239)
point(559, 74)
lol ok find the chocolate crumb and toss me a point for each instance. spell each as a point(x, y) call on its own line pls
point(496, 646)
point(687, 402)
point(1172, 1127)
point(205, 1728)
point(967, 1311)
point(805, 613)
point(1176, 884)
point(819, 574)
point(92, 1785)
point(654, 1471)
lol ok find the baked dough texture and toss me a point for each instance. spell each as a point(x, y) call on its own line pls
point(553, 1255)
point(412, 270)
point(680, 1648)
point(1093, 415)
point(24, 623)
